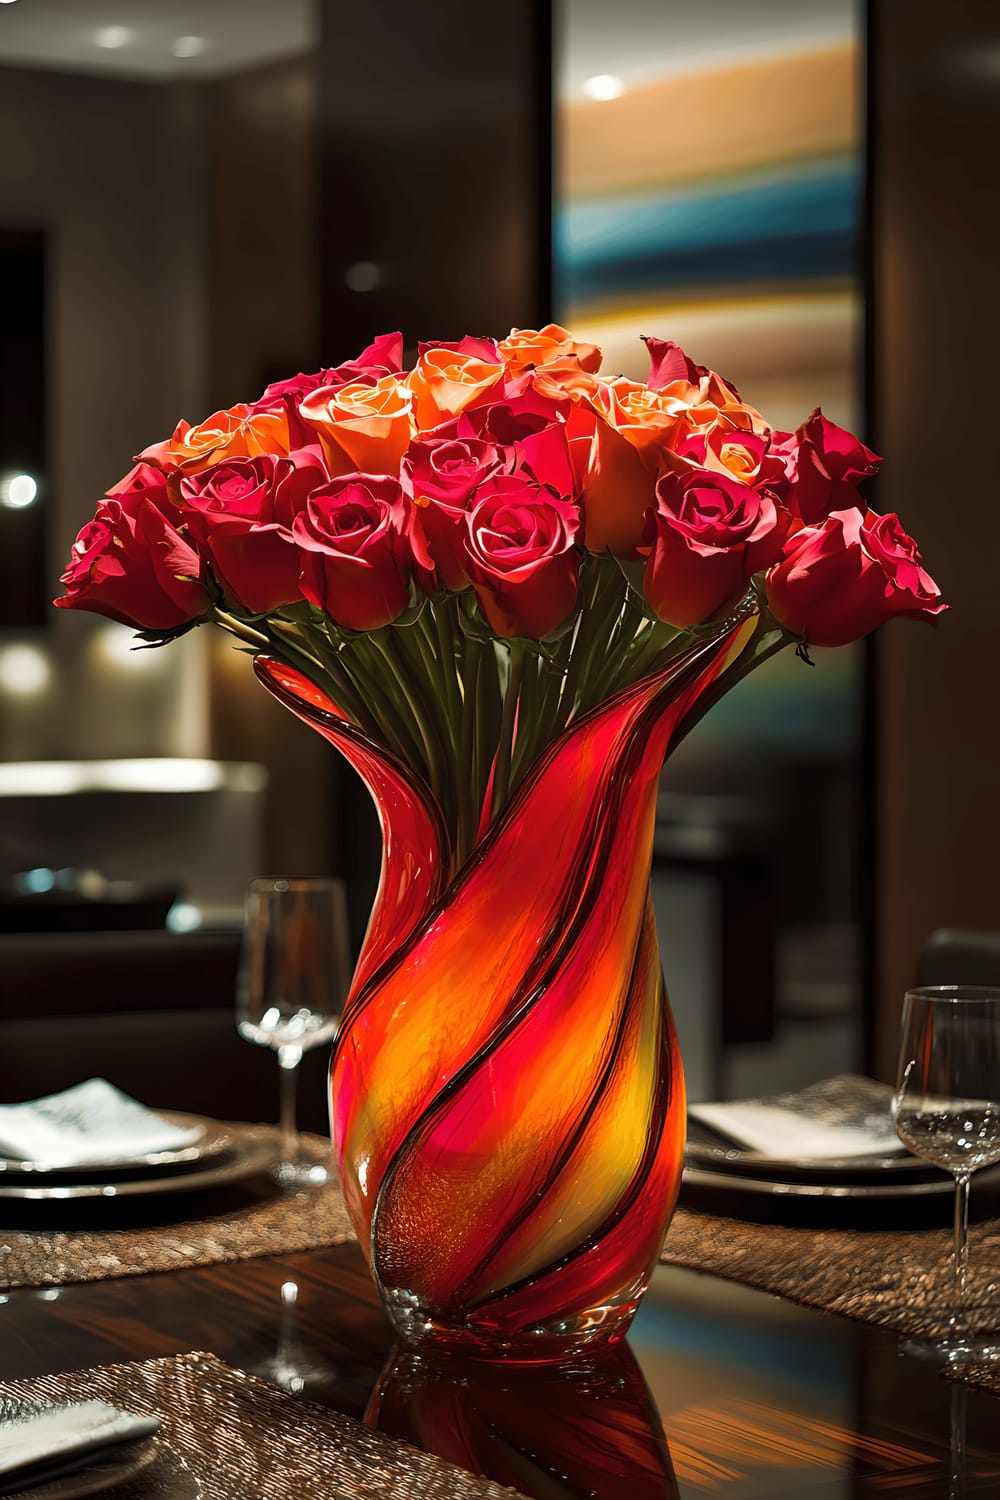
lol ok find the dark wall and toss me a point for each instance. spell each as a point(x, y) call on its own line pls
point(935, 124)
point(435, 127)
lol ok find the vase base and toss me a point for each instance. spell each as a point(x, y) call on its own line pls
point(558, 1341)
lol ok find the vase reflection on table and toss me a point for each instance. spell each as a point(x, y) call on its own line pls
point(504, 585)
point(590, 1431)
point(293, 980)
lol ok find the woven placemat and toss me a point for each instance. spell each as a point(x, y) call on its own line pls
point(229, 1436)
point(254, 1219)
point(901, 1278)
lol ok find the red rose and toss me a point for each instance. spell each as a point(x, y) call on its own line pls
point(521, 555)
point(841, 579)
point(131, 565)
point(824, 464)
point(709, 534)
point(354, 550)
point(241, 512)
point(144, 482)
point(440, 475)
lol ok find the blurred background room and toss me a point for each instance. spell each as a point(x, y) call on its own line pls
point(198, 197)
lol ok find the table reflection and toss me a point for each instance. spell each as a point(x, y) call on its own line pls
point(590, 1429)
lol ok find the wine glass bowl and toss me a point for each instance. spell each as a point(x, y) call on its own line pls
point(293, 980)
point(946, 1110)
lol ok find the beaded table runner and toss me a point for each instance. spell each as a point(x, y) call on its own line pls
point(119, 1238)
point(228, 1436)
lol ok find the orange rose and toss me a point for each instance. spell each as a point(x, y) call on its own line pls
point(446, 379)
point(646, 419)
point(363, 428)
point(239, 432)
point(566, 378)
point(615, 483)
point(526, 348)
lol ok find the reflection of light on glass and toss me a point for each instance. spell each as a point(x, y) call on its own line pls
point(17, 490)
point(188, 46)
point(362, 276)
point(112, 37)
point(603, 86)
point(183, 917)
point(24, 671)
point(49, 1295)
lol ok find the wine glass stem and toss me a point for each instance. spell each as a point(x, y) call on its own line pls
point(961, 1250)
point(288, 1061)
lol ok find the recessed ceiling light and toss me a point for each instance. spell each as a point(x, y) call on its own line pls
point(188, 46)
point(604, 86)
point(113, 37)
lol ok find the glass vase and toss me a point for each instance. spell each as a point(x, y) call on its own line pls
point(507, 1094)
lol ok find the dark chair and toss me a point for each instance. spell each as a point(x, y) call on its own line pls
point(955, 956)
point(152, 1012)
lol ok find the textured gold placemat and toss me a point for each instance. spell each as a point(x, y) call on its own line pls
point(228, 1436)
point(901, 1278)
point(259, 1219)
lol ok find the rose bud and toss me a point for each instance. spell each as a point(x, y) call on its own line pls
point(131, 565)
point(842, 578)
point(354, 551)
point(440, 475)
point(824, 464)
point(241, 513)
point(521, 556)
point(383, 357)
point(709, 534)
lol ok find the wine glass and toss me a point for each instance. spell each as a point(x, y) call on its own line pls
point(293, 980)
point(947, 1110)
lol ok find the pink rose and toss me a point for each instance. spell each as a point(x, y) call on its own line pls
point(842, 578)
point(241, 512)
point(521, 555)
point(824, 464)
point(354, 550)
point(440, 475)
point(709, 534)
point(131, 565)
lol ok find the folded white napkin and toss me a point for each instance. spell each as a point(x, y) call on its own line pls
point(841, 1117)
point(91, 1123)
point(38, 1443)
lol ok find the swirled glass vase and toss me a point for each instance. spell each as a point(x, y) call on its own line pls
point(507, 1092)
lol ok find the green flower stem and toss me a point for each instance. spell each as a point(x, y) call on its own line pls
point(240, 628)
point(432, 769)
point(512, 692)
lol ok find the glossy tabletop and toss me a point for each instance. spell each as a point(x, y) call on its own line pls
point(754, 1396)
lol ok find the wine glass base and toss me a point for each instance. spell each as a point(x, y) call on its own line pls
point(955, 1349)
point(300, 1174)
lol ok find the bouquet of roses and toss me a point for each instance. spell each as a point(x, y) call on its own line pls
point(468, 555)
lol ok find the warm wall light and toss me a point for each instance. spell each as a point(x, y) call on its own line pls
point(112, 37)
point(604, 86)
point(24, 671)
point(188, 46)
point(17, 490)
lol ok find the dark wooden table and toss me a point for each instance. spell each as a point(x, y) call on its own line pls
point(756, 1397)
